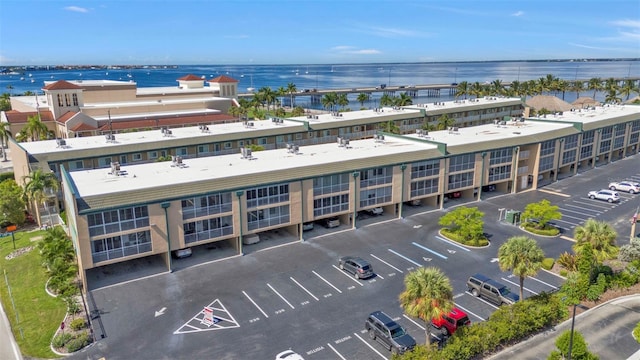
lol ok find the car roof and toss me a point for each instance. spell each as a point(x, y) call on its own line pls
point(495, 283)
point(384, 318)
point(481, 277)
point(356, 259)
point(457, 314)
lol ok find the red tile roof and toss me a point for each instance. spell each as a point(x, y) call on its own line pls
point(17, 117)
point(83, 127)
point(189, 77)
point(223, 79)
point(171, 121)
point(61, 85)
point(66, 116)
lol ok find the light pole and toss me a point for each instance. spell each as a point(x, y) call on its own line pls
point(573, 322)
point(165, 206)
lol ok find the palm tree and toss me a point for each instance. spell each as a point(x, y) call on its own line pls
point(291, 89)
point(281, 92)
point(39, 187)
point(497, 88)
point(445, 121)
point(578, 86)
point(428, 294)
point(10, 88)
point(329, 101)
point(594, 84)
point(404, 100)
point(629, 87)
point(462, 89)
point(390, 127)
point(362, 98)
point(35, 128)
point(612, 96)
point(600, 235)
point(386, 100)
point(343, 101)
point(5, 133)
point(476, 89)
point(523, 256)
point(562, 86)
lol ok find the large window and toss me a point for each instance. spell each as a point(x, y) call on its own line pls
point(113, 221)
point(501, 156)
point(462, 162)
point(546, 163)
point(499, 173)
point(267, 195)
point(268, 217)
point(377, 176)
point(331, 184)
point(569, 157)
point(207, 229)
point(462, 180)
point(330, 205)
point(375, 196)
point(548, 148)
point(120, 246)
point(206, 205)
point(424, 169)
point(571, 142)
point(424, 187)
point(586, 151)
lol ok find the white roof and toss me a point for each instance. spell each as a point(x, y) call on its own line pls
point(593, 114)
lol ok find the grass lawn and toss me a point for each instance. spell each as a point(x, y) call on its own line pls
point(39, 314)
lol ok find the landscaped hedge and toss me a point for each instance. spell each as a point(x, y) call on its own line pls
point(506, 326)
point(460, 239)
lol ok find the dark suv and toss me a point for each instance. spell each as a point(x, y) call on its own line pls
point(393, 336)
point(358, 267)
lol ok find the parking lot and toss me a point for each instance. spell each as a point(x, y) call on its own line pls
point(295, 296)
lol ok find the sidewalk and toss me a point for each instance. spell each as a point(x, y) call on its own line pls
point(607, 329)
point(8, 347)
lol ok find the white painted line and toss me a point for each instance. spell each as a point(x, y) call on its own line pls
point(256, 305)
point(370, 347)
point(303, 288)
point(413, 321)
point(481, 299)
point(552, 273)
point(336, 351)
point(581, 208)
point(458, 295)
point(575, 218)
point(595, 204)
point(404, 257)
point(347, 275)
point(553, 193)
point(281, 297)
point(386, 263)
point(469, 312)
point(452, 243)
point(429, 250)
point(567, 238)
point(518, 285)
point(542, 282)
point(328, 283)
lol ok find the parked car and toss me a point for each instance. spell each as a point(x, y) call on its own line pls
point(482, 286)
point(607, 195)
point(289, 355)
point(375, 211)
point(631, 187)
point(182, 253)
point(331, 222)
point(449, 323)
point(389, 333)
point(358, 267)
point(307, 226)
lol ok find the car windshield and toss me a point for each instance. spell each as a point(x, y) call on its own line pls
point(397, 332)
point(504, 291)
point(462, 321)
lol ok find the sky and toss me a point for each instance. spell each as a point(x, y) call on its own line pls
point(186, 32)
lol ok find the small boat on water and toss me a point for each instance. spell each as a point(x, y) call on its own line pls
point(251, 89)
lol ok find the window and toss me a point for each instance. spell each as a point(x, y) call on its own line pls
point(571, 142)
point(136, 157)
point(152, 155)
point(501, 156)
point(120, 246)
point(424, 187)
point(262, 141)
point(546, 163)
point(117, 220)
point(203, 149)
point(586, 152)
point(375, 196)
point(311, 134)
point(425, 169)
point(262, 218)
point(462, 180)
point(461, 162)
point(104, 162)
point(569, 157)
point(377, 176)
point(331, 184)
point(182, 151)
point(499, 173)
point(298, 136)
point(76, 165)
point(227, 145)
point(207, 229)
point(267, 195)
point(330, 205)
point(206, 205)
point(75, 99)
point(240, 143)
point(548, 148)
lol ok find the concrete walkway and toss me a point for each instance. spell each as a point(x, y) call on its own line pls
point(8, 347)
point(607, 329)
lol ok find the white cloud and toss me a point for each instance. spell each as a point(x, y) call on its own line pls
point(77, 9)
point(627, 23)
point(342, 48)
point(518, 13)
point(602, 48)
point(352, 50)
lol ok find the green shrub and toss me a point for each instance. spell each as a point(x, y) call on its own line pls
point(78, 343)
point(631, 251)
point(60, 340)
point(563, 272)
point(78, 324)
point(578, 349)
point(568, 261)
point(6, 176)
point(636, 332)
point(452, 235)
point(547, 263)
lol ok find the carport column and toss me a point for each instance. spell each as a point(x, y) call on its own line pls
point(165, 206)
point(355, 174)
point(514, 169)
point(301, 226)
point(484, 155)
point(239, 195)
point(403, 167)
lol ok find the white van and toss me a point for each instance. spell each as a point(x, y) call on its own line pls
point(251, 239)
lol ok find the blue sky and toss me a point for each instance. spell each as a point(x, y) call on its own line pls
point(36, 32)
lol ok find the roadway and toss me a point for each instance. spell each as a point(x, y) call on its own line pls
point(295, 296)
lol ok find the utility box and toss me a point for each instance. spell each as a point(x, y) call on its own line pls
point(512, 216)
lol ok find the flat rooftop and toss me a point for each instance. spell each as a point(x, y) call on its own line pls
point(214, 168)
point(593, 114)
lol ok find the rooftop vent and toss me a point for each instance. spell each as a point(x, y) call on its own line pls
point(115, 169)
point(277, 120)
point(293, 149)
point(110, 138)
point(166, 132)
point(61, 142)
point(203, 128)
point(246, 153)
point(176, 161)
point(379, 138)
point(343, 142)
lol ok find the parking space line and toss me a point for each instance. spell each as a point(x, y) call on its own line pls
point(518, 285)
point(566, 222)
point(325, 280)
point(469, 312)
point(567, 238)
point(380, 276)
point(581, 211)
point(345, 274)
point(256, 305)
point(429, 250)
point(281, 297)
point(415, 322)
point(582, 208)
point(370, 347)
point(404, 257)
point(593, 203)
point(572, 217)
point(542, 282)
point(553, 193)
point(386, 263)
point(552, 273)
point(303, 288)
point(452, 243)
point(336, 351)
point(481, 299)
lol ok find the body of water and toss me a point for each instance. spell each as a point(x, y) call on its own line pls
point(337, 76)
